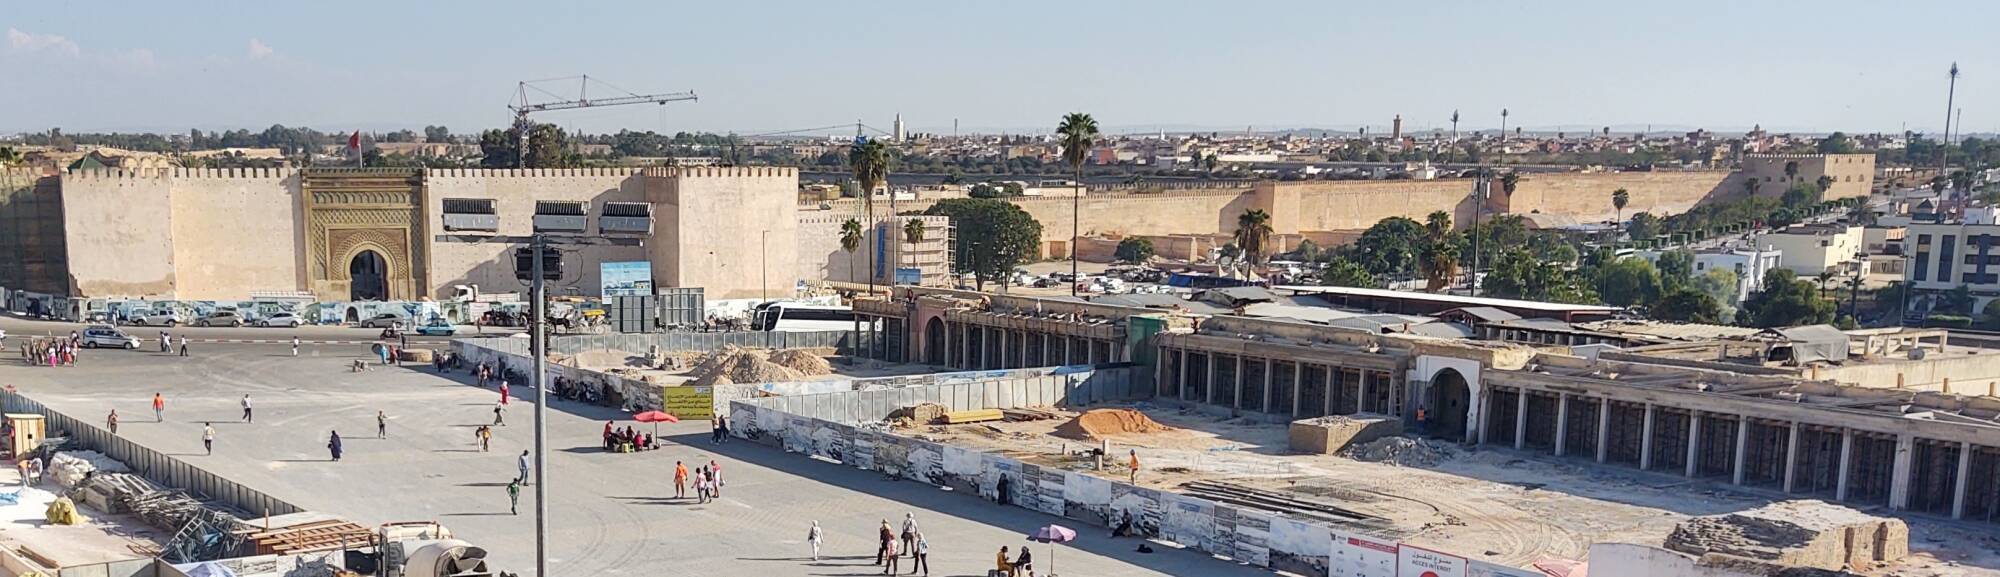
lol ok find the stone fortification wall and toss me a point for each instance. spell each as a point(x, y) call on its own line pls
point(712, 224)
point(118, 227)
point(514, 192)
point(190, 234)
point(1587, 197)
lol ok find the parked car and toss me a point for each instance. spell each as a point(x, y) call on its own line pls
point(281, 319)
point(437, 328)
point(385, 321)
point(107, 336)
point(220, 319)
point(157, 319)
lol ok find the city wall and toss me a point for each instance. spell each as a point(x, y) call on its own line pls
point(514, 192)
point(182, 233)
point(711, 223)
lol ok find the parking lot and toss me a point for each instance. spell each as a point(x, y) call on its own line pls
point(610, 513)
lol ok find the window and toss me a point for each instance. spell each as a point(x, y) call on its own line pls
point(1945, 255)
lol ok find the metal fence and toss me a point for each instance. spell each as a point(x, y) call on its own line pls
point(149, 463)
point(1069, 390)
point(572, 344)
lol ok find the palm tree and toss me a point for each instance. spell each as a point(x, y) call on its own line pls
point(1509, 181)
point(1825, 282)
point(1750, 185)
point(1825, 182)
point(913, 233)
point(1791, 170)
point(870, 161)
point(1440, 254)
point(1619, 198)
point(1078, 132)
point(850, 240)
point(1253, 233)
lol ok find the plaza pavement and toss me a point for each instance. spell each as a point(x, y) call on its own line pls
point(611, 514)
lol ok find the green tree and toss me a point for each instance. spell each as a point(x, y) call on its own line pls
point(1343, 272)
point(1078, 133)
point(499, 149)
point(870, 162)
point(1135, 250)
point(9, 156)
point(1791, 170)
point(1644, 226)
point(1961, 180)
point(1720, 284)
point(1618, 200)
point(1801, 196)
point(1836, 143)
point(1389, 248)
point(1510, 180)
point(1253, 234)
point(1688, 305)
point(1439, 258)
point(1629, 281)
point(1824, 182)
point(1676, 269)
point(1785, 301)
point(913, 233)
point(994, 236)
point(437, 134)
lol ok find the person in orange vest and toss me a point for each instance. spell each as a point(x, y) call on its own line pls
point(1423, 421)
point(680, 480)
point(1134, 465)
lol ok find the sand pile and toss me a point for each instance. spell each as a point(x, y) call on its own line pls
point(1399, 451)
point(803, 361)
point(738, 365)
point(1101, 423)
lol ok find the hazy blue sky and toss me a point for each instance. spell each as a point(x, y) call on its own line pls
point(1018, 65)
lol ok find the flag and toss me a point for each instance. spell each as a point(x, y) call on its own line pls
point(354, 141)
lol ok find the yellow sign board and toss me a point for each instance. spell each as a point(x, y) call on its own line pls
point(689, 402)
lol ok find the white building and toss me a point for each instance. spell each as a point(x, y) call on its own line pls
point(1945, 255)
point(1811, 249)
point(1749, 264)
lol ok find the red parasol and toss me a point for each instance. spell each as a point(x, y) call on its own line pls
point(656, 417)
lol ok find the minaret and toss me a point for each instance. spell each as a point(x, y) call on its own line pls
point(899, 127)
point(1396, 128)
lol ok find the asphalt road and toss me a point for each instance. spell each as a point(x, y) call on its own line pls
point(611, 514)
point(17, 327)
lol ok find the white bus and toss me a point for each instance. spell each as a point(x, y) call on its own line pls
point(797, 317)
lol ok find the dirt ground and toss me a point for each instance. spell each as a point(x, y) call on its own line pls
point(633, 365)
point(101, 537)
point(1496, 505)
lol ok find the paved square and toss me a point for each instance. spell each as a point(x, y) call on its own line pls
point(610, 513)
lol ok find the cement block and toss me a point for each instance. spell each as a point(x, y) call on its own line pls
point(1795, 534)
point(1330, 434)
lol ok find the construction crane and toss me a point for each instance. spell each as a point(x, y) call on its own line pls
point(522, 106)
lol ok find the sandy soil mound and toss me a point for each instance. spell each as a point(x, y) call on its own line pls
point(1101, 423)
point(1399, 451)
point(804, 362)
point(738, 365)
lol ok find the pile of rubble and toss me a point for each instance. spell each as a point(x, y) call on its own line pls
point(920, 414)
point(732, 364)
point(1399, 451)
point(1791, 534)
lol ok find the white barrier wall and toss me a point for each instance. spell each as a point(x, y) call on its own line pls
point(824, 425)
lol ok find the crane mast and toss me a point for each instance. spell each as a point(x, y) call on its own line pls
point(522, 107)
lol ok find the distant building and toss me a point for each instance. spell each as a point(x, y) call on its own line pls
point(1946, 255)
point(1749, 264)
point(1853, 174)
point(1811, 249)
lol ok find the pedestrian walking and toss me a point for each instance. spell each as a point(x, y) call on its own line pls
point(484, 437)
point(814, 537)
point(166, 341)
point(909, 530)
point(499, 420)
point(159, 408)
point(184, 345)
point(886, 538)
point(208, 438)
point(890, 551)
point(715, 477)
point(333, 445)
point(514, 497)
point(381, 425)
point(112, 421)
point(722, 435)
point(503, 392)
point(680, 480)
point(524, 464)
point(247, 418)
point(1134, 464)
point(295, 345)
point(920, 556)
point(715, 430)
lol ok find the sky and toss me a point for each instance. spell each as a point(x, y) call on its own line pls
point(1015, 66)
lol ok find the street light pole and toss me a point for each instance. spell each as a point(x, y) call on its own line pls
point(539, 348)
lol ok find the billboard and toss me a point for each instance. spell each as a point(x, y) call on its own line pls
point(1412, 561)
point(626, 279)
point(1357, 556)
point(909, 275)
point(688, 402)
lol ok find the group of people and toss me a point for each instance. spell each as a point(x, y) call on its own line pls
point(890, 552)
point(718, 429)
point(57, 352)
point(159, 403)
point(707, 481)
point(626, 440)
point(167, 343)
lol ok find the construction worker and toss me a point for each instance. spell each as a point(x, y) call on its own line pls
point(1134, 465)
point(1423, 421)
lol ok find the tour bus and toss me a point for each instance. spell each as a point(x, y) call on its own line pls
point(798, 317)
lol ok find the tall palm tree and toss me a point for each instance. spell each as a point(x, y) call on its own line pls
point(1825, 182)
point(1078, 132)
point(913, 233)
point(1619, 198)
point(1825, 278)
point(1253, 234)
point(1791, 170)
point(870, 160)
point(1509, 181)
point(1440, 254)
point(1750, 185)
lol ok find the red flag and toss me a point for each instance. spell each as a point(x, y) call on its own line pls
point(354, 141)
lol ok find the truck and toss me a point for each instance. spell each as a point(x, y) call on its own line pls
point(468, 304)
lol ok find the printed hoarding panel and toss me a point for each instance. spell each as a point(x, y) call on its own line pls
point(626, 279)
point(1357, 556)
point(1412, 561)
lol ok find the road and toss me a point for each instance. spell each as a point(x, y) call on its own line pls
point(611, 514)
point(16, 327)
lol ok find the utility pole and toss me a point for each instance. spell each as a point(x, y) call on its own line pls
point(1944, 152)
point(539, 347)
point(1479, 191)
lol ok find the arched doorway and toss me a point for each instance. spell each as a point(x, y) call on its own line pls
point(1450, 397)
point(934, 341)
point(368, 274)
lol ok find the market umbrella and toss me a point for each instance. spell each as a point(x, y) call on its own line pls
point(656, 417)
point(1052, 534)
